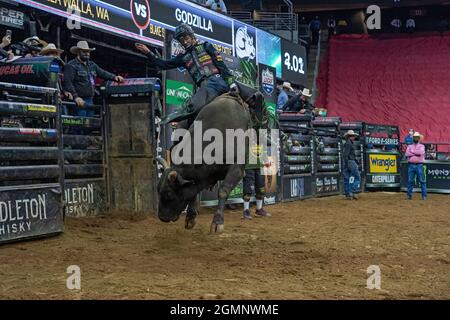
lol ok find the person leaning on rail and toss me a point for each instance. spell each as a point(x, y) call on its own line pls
point(415, 153)
point(79, 77)
point(283, 97)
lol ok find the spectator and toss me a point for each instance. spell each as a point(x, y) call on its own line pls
point(331, 27)
point(4, 54)
point(51, 51)
point(350, 167)
point(283, 96)
point(305, 106)
point(415, 153)
point(410, 25)
point(34, 45)
point(300, 103)
point(79, 77)
point(217, 5)
point(409, 138)
point(315, 27)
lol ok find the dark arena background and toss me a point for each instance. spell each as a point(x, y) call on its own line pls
point(81, 215)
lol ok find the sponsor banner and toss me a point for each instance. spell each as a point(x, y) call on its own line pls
point(84, 198)
point(269, 50)
point(382, 179)
point(245, 50)
point(29, 213)
point(145, 20)
point(41, 108)
point(381, 141)
point(205, 23)
point(382, 163)
point(235, 67)
point(437, 176)
point(12, 18)
point(326, 184)
point(267, 82)
point(293, 61)
point(296, 187)
point(178, 93)
point(131, 19)
point(40, 71)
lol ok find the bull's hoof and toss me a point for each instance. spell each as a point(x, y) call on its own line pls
point(216, 228)
point(189, 223)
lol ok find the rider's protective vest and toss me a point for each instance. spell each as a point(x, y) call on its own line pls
point(199, 63)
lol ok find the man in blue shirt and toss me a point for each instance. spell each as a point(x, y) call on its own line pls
point(409, 138)
point(283, 96)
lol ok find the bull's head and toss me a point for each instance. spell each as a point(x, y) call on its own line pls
point(174, 193)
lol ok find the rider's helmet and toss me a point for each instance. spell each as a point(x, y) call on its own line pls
point(183, 30)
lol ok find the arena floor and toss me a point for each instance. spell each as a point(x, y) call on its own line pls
point(313, 249)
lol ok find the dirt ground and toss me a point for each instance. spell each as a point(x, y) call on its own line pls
point(312, 249)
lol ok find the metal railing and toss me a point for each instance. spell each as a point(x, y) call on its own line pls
point(244, 16)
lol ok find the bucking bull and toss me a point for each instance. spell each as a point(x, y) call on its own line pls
point(180, 184)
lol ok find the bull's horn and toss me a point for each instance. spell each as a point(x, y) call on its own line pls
point(163, 162)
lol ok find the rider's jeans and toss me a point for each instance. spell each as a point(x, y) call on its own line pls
point(208, 90)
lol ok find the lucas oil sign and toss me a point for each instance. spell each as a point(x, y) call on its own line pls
point(383, 163)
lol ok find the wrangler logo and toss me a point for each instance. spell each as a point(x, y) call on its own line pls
point(383, 163)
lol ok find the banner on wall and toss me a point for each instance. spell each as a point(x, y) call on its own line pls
point(269, 50)
point(382, 169)
point(12, 17)
point(267, 83)
point(30, 213)
point(437, 176)
point(143, 20)
point(245, 52)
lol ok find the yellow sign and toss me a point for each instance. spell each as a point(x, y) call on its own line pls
point(41, 108)
point(382, 163)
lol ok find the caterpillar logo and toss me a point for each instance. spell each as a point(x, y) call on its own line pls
point(383, 163)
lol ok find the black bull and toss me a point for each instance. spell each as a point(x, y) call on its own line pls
point(180, 184)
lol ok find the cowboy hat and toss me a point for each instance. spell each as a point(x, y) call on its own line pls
point(51, 48)
point(350, 133)
point(287, 85)
point(81, 45)
point(305, 92)
point(417, 134)
point(34, 41)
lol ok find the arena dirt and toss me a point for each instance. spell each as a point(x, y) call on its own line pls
point(317, 248)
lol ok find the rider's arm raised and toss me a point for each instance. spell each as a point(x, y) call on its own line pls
point(162, 64)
